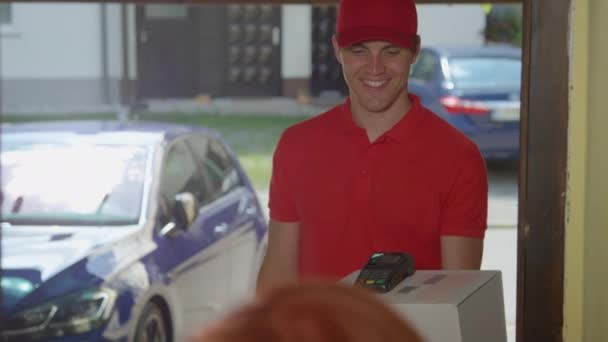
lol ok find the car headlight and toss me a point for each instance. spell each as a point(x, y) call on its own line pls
point(73, 314)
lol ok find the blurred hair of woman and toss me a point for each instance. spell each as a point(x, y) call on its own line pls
point(312, 311)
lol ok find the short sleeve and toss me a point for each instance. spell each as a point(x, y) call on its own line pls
point(281, 196)
point(465, 209)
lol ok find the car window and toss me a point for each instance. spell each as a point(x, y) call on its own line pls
point(425, 66)
point(218, 166)
point(198, 145)
point(180, 174)
point(75, 182)
point(219, 160)
point(483, 72)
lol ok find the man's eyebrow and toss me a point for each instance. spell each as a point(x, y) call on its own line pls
point(357, 45)
point(391, 46)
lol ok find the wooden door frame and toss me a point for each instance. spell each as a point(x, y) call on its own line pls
point(543, 170)
point(543, 161)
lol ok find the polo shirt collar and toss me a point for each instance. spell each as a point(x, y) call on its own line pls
point(399, 132)
point(346, 121)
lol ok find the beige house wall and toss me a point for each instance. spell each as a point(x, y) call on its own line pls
point(586, 298)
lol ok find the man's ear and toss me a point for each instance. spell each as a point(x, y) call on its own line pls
point(416, 49)
point(334, 43)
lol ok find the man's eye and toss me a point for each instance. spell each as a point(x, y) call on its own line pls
point(357, 50)
point(393, 51)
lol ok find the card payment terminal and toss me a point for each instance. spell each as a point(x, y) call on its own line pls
point(383, 271)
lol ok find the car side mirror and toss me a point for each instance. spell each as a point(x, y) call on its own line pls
point(184, 212)
point(185, 209)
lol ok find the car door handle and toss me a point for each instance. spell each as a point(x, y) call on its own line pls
point(251, 210)
point(220, 229)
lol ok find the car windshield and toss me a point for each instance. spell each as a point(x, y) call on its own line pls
point(485, 72)
point(71, 182)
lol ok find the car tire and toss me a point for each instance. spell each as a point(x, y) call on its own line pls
point(151, 326)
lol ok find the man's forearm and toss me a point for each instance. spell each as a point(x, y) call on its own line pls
point(273, 272)
point(280, 263)
point(461, 253)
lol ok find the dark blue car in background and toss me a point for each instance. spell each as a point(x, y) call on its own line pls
point(477, 90)
point(122, 231)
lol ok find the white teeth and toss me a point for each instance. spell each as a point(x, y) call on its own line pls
point(374, 84)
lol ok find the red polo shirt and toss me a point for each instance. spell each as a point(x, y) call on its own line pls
point(420, 180)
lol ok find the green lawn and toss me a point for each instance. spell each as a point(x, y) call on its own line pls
point(253, 137)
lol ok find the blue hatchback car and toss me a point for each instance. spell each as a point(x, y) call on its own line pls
point(122, 231)
point(477, 90)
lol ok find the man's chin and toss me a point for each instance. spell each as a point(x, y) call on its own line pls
point(376, 107)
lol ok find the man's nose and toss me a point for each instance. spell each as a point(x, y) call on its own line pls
point(376, 64)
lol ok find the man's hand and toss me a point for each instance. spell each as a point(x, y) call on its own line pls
point(461, 253)
point(280, 263)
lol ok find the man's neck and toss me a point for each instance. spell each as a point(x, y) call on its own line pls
point(378, 123)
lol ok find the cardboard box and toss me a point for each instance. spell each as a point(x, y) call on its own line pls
point(451, 306)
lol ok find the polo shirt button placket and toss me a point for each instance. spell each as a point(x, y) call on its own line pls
point(364, 170)
point(366, 200)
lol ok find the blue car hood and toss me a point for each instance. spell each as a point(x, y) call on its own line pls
point(33, 257)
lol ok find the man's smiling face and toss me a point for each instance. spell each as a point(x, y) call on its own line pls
point(376, 73)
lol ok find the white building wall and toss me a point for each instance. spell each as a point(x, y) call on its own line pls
point(296, 41)
point(451, 24)
point(52, 41)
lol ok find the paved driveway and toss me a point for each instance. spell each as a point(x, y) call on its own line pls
point(500, 244)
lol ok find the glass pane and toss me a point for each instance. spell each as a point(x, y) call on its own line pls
point(166, 11)
point(5, 13)
point(479, 72)
point(425, 67)
point(179, 173)
point(83, 183)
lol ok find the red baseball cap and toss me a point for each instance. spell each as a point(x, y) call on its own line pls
point(394, 21)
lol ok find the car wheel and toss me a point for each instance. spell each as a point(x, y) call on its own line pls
point(151, 326)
